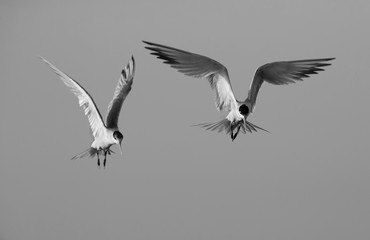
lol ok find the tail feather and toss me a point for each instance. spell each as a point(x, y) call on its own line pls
point(250, 127)
point(255, 127)
point(244, 129)
point(225, 125)
point(91, 152)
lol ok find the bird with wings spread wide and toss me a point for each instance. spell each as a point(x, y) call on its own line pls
point(108, 134)
point(199, 66)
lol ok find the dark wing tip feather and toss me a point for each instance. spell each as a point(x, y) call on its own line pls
point(146, 42)
point(315, 60)
point(163, 52)
point(133, 60)
point(163, 47)
point(313, 66)
point(124, 73)
point(128, 68)
point(161, 55)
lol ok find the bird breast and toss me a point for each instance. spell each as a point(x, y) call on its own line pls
point(104, 141)
point(234, 116)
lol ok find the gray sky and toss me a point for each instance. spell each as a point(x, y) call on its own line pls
point(309, 179)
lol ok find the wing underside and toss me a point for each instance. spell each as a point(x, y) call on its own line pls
point(280, 73)
point(198, 66)
point(122, 90)
point(84, 99)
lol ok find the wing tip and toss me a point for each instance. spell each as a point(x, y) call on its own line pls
point(129, 69)
point(146, 42)
point(325, 59)
point(151, 44)
point(132, 60)
point(167, 59)
point(45, 61)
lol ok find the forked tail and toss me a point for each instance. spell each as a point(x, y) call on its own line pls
point(90, 152)
point(219, 126)
point(225, 125)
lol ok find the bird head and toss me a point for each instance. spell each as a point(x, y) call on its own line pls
point(244, 110)
point(118, 137)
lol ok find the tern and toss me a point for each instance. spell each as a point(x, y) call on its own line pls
point(198, 66)
point(108, 134)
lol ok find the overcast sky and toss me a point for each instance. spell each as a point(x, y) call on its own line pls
point(308, 179)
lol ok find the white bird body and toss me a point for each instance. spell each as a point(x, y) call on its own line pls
point(105, 140)
point(234, 116)
point(105, 134)
point(198, 66)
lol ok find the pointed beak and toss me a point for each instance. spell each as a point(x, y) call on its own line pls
point(120, 148)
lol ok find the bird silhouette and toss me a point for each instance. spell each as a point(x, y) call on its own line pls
point(198, 66)
point(105, 134)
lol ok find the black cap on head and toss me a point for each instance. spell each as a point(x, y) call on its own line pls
point(244, 110)
point(118, 135)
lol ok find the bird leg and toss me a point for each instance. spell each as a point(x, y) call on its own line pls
point(97, 153)
point(237, 132)
point(105, 158)
point(231, 132)
point(232, 127)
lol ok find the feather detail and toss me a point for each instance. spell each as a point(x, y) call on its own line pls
point(225, 125)
point(90, 152)
point(122, 90)
point(84, 99)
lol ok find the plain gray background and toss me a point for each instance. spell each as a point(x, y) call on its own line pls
point(309, 179)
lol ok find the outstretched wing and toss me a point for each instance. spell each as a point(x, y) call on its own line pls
point(279, 73)
point(122, 90)
point(84, 99)
point(199, 66)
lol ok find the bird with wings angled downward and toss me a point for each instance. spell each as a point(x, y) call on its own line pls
point(108, 134)
point(198, 66)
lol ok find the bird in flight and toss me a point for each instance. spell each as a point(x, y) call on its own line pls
point(198, 66)
point(108, 134)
